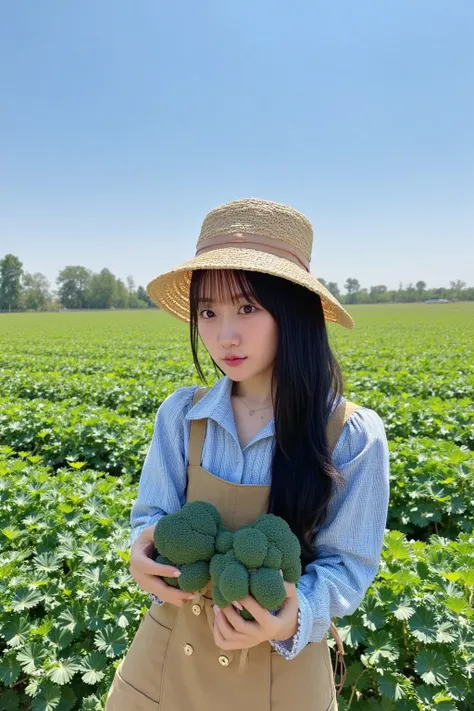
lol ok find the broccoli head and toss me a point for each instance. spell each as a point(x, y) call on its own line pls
point(194, 576)
point(187, 541)
point(280, 535)
point(250, 546)
point(253, 564)
point(224, 540)
point(267, 584)
point(189, 535)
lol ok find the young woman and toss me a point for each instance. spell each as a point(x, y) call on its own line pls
point(276, 435)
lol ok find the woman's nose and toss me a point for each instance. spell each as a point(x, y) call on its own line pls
point(227, 341)
point(228, 336)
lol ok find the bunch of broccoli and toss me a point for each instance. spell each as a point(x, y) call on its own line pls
point(248, 561)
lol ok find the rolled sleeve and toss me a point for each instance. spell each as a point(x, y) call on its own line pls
point(349, 543)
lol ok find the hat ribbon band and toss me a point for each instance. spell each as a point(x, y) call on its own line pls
point(261, 243)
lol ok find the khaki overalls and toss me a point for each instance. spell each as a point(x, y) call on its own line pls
point(173, 663)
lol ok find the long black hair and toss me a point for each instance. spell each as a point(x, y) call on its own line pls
point(306, 381)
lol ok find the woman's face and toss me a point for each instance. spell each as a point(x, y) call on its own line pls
point(244, 329)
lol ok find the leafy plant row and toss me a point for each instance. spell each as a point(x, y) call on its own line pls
point(110, 364)
point(111, 442)
point(142, 394)
point(126, 397)
point(124, 360)
point(431, 487)
point(435, 417)
point(421, 384)
point(63, 432)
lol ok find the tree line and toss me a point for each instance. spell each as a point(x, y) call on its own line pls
point(77, 287)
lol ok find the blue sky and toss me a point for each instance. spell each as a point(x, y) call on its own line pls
point(122, 124)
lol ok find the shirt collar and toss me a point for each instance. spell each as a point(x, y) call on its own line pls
point(217, 405)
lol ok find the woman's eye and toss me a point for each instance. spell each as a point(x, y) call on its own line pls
point(242, 307)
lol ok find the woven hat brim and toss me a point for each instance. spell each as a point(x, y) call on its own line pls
point(170, 290)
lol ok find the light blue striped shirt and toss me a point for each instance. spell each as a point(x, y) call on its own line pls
point(348, 544)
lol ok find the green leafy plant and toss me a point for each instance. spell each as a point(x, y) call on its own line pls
point(68, 605)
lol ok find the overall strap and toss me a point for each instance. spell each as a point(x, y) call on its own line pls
point(197, 432)
point(339, 418)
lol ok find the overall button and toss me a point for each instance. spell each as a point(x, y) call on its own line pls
point(188, 649)
point(196, 610)
point(224, 660)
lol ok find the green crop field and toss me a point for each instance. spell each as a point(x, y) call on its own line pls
point(78, 396)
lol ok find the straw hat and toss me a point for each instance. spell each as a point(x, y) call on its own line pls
point(252, 234)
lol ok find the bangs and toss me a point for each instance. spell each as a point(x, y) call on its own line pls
point(221, 286)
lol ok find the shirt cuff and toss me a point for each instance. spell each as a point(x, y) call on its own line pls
point(156, 599)
point(291, 647)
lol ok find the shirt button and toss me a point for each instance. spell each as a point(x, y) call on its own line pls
point(224, 660)
point(188, 649)
point(196, 610)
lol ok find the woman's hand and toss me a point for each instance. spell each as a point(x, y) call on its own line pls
point(147, 574)
point(231, 631)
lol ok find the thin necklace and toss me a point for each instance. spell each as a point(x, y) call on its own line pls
point(252, 412)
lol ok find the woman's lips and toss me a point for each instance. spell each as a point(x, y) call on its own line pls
point(234, 361)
